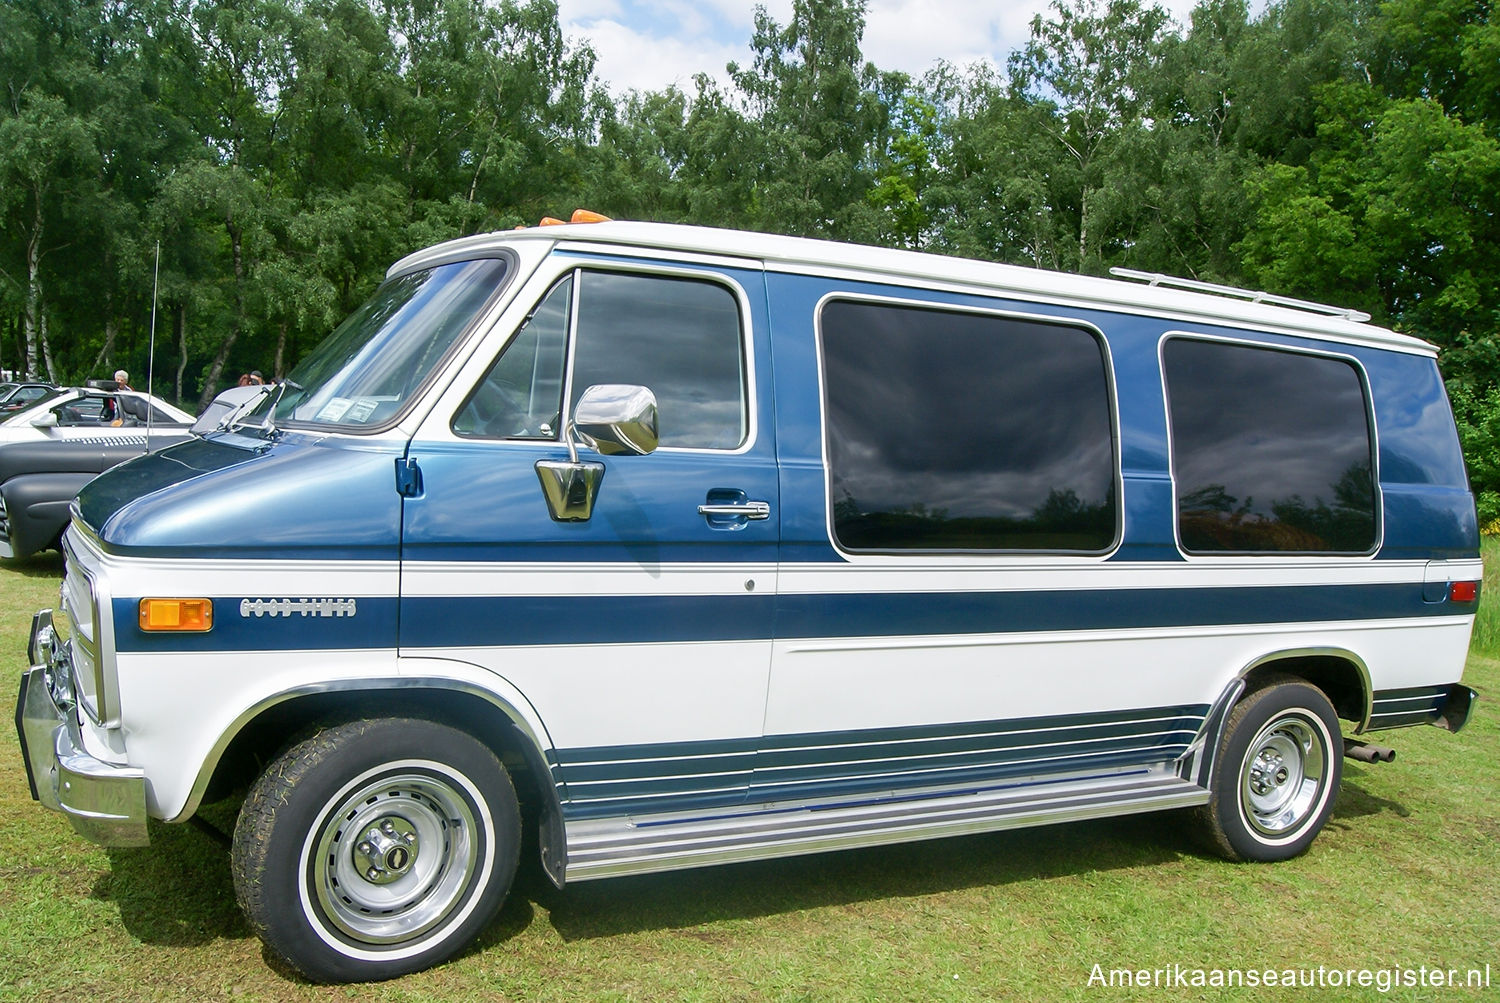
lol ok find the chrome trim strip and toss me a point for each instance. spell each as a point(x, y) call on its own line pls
point(915, 757)
point(216, 753)
point(1368, 690)
point(609, 847)
point(873, 743)
point(895, 776)
point(1200, 757)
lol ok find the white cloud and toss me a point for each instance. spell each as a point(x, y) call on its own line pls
point(649, 44)
point(913, 35)
point(630, 59)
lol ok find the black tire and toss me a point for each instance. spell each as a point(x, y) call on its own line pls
point(1276, 775)
point(376, 848)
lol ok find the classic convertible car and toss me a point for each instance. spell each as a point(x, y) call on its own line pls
point(88, 413)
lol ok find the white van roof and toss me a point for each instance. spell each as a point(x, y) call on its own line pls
point(878, 264)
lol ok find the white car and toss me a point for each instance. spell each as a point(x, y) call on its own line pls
point(86, 413)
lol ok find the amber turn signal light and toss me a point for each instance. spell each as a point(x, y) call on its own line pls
point(183, 615)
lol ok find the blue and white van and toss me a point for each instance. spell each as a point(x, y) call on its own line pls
point(680, 546)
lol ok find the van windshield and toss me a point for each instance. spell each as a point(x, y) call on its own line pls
point(367, 371)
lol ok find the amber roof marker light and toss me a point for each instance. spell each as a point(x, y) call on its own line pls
point(579, 216)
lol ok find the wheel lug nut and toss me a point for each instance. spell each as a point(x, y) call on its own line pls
point(388, 827)
point(373, 873)
point(366, 848)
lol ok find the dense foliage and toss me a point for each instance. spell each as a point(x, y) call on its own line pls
point(284, 152)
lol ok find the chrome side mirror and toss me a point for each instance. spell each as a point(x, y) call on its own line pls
point(615, 418)
point(610, 418)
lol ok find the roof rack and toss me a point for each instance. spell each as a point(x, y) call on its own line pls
point(1158, 279)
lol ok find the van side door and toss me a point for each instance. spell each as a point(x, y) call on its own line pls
point(951, 501)
point(640, 637)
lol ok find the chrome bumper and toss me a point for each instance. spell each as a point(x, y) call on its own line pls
point(105, 803)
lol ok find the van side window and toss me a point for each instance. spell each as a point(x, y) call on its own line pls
point(1271, 450)
point(521, 396)
point(679, 337)
point(952, 431)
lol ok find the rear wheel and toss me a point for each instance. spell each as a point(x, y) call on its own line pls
point(376, 848)
point(1276, 775)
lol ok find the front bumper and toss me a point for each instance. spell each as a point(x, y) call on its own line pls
point(105, 803)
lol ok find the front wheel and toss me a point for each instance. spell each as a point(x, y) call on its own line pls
point(1277, 772)
point(376, 848)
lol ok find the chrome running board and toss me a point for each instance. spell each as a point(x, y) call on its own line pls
point(607, 847)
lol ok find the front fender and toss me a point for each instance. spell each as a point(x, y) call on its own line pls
point(36, 510)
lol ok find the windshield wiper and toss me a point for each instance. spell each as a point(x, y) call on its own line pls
point(237, 417)
point(268, 426)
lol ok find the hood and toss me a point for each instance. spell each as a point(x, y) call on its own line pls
point(299, 498)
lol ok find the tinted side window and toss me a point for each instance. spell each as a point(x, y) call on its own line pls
point(679, 337)
point(965, 432)
point(1271, 450)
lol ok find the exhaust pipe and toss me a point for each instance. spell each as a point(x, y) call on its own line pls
point(1367, 753)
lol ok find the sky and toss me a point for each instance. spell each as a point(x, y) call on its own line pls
point(650, 44)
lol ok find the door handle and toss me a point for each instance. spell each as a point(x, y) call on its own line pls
point(747, 510)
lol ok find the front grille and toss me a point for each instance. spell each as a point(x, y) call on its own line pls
point(5, 550)
point(81, 610)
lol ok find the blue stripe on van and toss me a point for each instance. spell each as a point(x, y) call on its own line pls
point(886, 762)
point(299, 625)
point(602, 619)
point(459, 621)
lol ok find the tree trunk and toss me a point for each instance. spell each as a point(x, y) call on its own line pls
point(179, 329)
point(1083, 228)
point(32, 315)
point(41, 333)
point(111, 326)
point(278, 373)
point(111, 329)
point(216, 367)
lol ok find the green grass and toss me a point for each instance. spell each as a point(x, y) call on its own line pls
point(1487, 622)
point(1407, 873)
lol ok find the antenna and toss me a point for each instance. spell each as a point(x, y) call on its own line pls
point(151, 348)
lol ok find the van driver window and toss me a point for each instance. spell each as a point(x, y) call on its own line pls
point(680, 338)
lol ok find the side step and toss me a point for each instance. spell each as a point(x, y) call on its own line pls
point(602, 848)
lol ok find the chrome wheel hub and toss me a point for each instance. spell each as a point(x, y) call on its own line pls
point(394, 856)
point(388, 850)
point(1284, 772)
point(1268, 772)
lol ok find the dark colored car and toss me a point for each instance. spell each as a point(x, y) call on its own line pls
point(39, 479)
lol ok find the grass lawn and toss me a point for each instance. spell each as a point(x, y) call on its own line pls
point(1406, 874)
